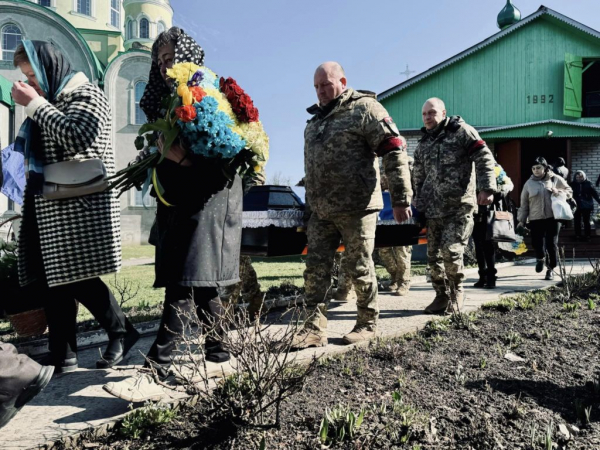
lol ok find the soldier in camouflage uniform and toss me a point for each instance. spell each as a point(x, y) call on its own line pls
point(348, 131)
point(344, 290)
point(397, 260)
point(446, 183)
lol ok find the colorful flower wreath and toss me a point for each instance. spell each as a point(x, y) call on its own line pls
point(214, 118)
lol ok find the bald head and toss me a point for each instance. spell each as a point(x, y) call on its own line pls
point(434, 112)
point(333, 68)
point(330, 82)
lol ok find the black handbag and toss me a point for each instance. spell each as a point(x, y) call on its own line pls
point(501, 227)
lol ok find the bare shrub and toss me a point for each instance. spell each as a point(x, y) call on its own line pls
point(265, 371)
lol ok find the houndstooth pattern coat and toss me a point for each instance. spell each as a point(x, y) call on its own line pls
point(79, 238)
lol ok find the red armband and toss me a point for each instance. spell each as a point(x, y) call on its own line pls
point(390, 144)
point(477, 145)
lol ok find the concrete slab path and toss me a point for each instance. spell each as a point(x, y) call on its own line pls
point(75, 401)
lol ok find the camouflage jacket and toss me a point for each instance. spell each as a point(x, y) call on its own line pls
point(340, 157)
point(444, 177)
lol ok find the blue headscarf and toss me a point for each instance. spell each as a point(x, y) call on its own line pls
point(53, 72)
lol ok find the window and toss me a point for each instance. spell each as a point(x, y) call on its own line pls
point(115, 13)
point(144, 29)
point(581, 86)
point(11, 38)
point(140, 117)
point(84, 7)
point(161, 27)
point(145, 200)
point(46, 2)
point(130, 30)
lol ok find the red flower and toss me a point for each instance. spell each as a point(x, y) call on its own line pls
point(241, 103)
point(198, 93)
point(186, 113)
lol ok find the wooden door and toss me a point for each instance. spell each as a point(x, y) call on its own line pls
point(508, 155)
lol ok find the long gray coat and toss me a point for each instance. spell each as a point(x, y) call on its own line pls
point(73, 239)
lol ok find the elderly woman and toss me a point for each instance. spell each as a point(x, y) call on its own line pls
point(584, 195)
point(66, 245)
point(197, 232)
point(536, 205)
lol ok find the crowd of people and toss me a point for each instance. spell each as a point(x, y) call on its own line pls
point(352, 146)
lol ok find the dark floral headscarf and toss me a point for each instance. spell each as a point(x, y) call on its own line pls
point(186, 50)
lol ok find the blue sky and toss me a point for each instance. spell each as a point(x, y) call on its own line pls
point(272, 47)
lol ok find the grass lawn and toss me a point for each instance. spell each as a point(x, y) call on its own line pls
point(270, 271)
point(137, 251)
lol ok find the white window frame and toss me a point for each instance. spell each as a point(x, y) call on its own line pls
point(134, 29)
point(133, 199)
point(159, 23)
point(2, 50)
point(135, 103)
point(92, 9)
point(140, 28)
point(119, 11)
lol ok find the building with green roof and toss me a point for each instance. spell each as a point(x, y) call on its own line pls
point(531, 89)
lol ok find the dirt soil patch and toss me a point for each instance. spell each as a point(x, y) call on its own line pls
point(519, 379)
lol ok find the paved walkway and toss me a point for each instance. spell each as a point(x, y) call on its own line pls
point(76, 401)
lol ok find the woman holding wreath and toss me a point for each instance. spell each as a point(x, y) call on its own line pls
point(197, 232)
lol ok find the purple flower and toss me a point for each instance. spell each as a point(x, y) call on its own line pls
point(196, 78)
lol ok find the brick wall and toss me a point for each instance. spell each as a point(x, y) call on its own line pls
point(585, 155)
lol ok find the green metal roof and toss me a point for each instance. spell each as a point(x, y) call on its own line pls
point(5, 88)
point(544, 129)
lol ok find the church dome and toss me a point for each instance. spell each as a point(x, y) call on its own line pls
point(509, 15)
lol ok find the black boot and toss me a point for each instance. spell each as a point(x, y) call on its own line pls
point(118, 347)
point(215, 351)
point(491, 278)
point(482, 279)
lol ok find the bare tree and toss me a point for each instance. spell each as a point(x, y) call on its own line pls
point(279, 179)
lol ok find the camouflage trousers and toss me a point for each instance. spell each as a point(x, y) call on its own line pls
point(446, 241)
point(248, 286)
point(344, 280)
point(358, 234)
point(396, 261)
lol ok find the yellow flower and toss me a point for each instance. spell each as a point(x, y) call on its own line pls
point(256, 140)
point(188, 98)
point(182, 72)
point(182, 89)
point(224, 104)
point(497, 170)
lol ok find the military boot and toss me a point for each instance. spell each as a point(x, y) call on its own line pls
point(342, 295)
point(403, 289)
point(439, 305)
point(313, 334)
point(358, 334)
point(393, 287)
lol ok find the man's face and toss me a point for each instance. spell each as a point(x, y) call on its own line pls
point(166, 56)
point(31, 79)
point(433, 115)
point(538, 170)
point(329, 86)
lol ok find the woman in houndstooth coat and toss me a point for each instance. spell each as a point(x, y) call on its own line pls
point(65, 245)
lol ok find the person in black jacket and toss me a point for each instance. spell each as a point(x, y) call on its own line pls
point(584, 194)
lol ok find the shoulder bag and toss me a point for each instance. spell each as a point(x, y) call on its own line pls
point(74, 178)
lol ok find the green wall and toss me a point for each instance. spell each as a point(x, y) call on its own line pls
point(491, 86)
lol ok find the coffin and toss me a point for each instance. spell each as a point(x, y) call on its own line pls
point(273, 216)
